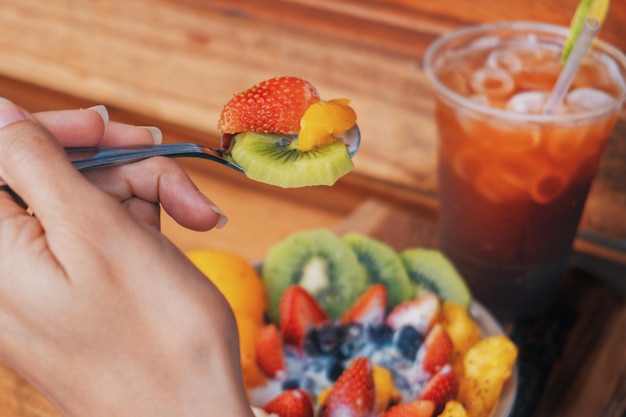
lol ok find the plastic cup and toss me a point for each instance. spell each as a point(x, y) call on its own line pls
point(512, 181)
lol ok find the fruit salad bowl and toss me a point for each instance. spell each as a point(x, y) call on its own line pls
point(261, 396)
point(349, 322)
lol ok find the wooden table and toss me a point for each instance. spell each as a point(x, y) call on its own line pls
point(173, 63)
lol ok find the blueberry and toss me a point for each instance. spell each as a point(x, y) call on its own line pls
point(329, 337)
point(350, 340)
point(335, 370)
point(380, 335)
point(408, 342)
point(311, 344)
point(290, 383)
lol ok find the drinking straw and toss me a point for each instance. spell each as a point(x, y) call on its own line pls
point(570, 68)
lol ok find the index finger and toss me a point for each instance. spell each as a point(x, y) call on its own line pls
point(35, 166)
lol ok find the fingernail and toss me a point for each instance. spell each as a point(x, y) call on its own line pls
point(222, 220)
point(10, 113)
point(157, 135)
point(102, 111)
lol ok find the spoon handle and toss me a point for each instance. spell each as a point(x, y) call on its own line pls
point(93, 157)
point(88, 158)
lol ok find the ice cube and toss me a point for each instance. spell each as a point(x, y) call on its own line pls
point(467, 118)
point(455, 79)
point(492, 82)
point(511, 138)
point(504, 59)
point(490, 184)
point(548, 187)
point(486, 42)
point(543, 181)
point(540, 68)
point(614, 73)
point(566, 142)
point(528, 102)
point(587, 98)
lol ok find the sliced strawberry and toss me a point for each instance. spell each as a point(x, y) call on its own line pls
point(298, 312)
point(354, 394)
point(269, 351)
point(439, 349)
point(291, 403)
point(442, 388)
point(272, 106)
point(415, 408)
point(420, 313)
point(369, 308)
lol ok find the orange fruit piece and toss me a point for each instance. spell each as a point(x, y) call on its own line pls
point(249, 330)
point(323, 120)
point(237, 280)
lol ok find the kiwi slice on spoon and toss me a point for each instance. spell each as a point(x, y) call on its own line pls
point(319, 261)
point(383, 265)
point(431, 271)
point(276, 159)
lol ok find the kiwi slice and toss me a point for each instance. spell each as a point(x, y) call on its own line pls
point(431, 271)
point(275, 159)
point(319, 261)
point(383, 265)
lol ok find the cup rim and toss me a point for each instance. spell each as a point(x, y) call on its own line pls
point(459, 100)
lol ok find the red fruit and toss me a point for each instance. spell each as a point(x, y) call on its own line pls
point(442, 388)
point(439, 349)
point(369, 308)
point(416, 408)
point(269, 351)
point(272, 106)
point(298, 312)
point(420, 313)
point(291, 403)
point(353, 395)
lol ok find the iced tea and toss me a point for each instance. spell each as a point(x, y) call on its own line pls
point(513, 180)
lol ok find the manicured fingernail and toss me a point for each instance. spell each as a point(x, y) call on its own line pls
point(102, 111)
point(157, 135)
point(222, 220)
point(10, 113)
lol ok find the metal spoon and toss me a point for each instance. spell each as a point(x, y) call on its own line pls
point(93, 157)
point(90, 158)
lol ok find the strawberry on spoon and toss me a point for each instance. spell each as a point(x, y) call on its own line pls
point(280, 133)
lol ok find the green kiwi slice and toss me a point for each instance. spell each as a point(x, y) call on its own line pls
point(319, 261)
point(431, 271)
point(275, 159)
point(383, 265)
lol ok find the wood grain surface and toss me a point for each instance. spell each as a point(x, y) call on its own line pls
point(179, 61)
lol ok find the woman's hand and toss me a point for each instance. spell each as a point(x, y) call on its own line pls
point(140, 186)
point(98, 310)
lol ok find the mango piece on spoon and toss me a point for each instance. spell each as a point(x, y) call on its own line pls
point(322, 121)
